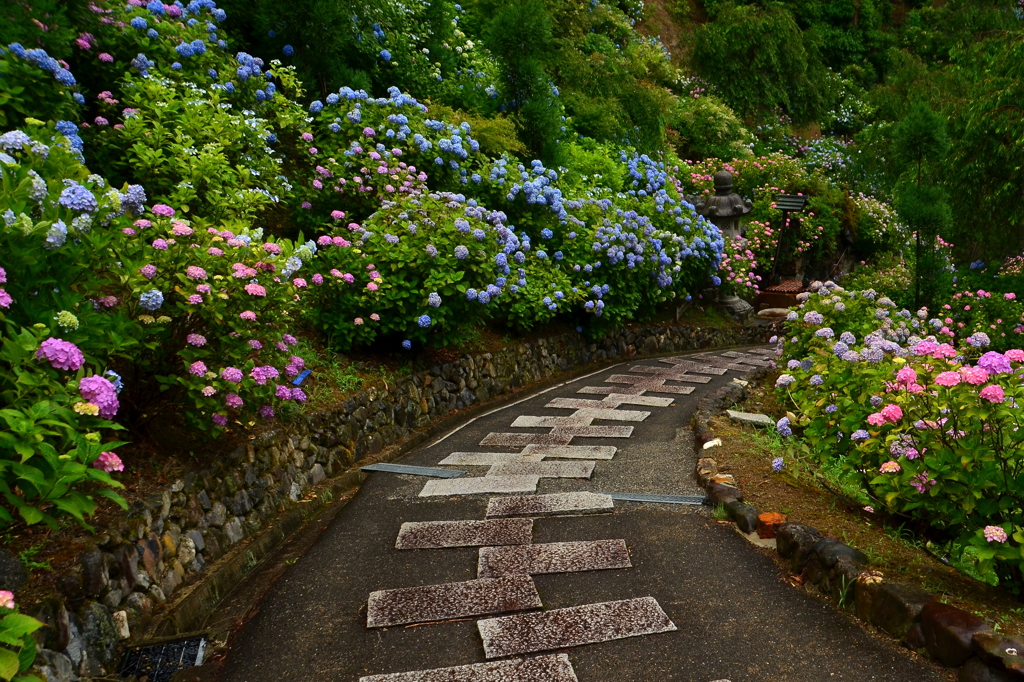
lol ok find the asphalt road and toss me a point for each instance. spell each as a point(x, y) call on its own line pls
point(736, 618)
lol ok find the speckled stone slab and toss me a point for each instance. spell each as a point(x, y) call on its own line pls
point(685, 365)
point(573, 626)
point(571, 451)
point(569, 469)
point(553, 504)
point(745, 358)
point(553, 557)
point(656, 377)
point(581, 417)
point(479, 485)
point(552, 668)
point(436, 534)
point(764, 352)
point(451, 600)
point(486, 458)
point(609, 403)
point(521, 440)
point(724, 363)
point(636, 389)
point(593, 432)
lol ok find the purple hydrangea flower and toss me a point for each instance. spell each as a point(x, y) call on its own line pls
point(995, 363)
point(777, 464)
point(101, 393)
point(232, 374)
point(61, 354)
point(783, 427)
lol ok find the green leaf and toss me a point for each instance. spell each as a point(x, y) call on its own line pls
point(9, 664)
point(19, 625)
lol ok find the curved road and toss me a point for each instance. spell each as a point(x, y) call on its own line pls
point(734, 618)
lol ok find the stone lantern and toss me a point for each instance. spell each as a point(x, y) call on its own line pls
point(724, 208)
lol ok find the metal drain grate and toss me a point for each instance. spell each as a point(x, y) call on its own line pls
point(415, 471)
point(668, 499)
point(159, 662)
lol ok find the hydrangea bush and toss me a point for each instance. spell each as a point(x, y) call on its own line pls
point(927, 416)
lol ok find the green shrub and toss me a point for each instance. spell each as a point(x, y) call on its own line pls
point(707, 128)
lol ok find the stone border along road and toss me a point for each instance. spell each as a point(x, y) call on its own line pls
point(634, 591)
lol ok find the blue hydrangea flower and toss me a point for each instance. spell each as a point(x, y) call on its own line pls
point(471, 294)
point(461, 252)
point(484, 297)
point(152, 33)
point(784, 380)
point(783, 427)
point(139, 24)
point(407, 344)
point(434, 300)
point(151, 300)
point(385, 55)
point(817, 380)
point(288, 50)
point(716, 280)
point(77, 198)
point(423, 321)
point(184, 49)
point(316, 107)
point(78, 98)
point(848, 338)
point(56, 235)
point(831, 409)
point(777, 464)
point(860, 434)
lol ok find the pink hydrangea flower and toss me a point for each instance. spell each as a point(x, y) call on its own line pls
point(197, 368)
point(231, 374)
point(219, 419)
point(925, 348)
point(944, 351)
point(196, 340)
point(6, 599)
point(995, 534)
point(3, 276)
point(195, 299)
point(233, 400)
point(181, 230)
point(247, 315)
point(324, 240)
point(291, 370)
point(906, 375)
point(283, 392)
point(975, 376)
point(318, 278)
point(889, 467)
point(5, 299)
point(105, 57)
point(61, 354)
point(128, 231)
point(255, 345)
point(109, 462)
point(297, 361)
point(163, 210)
point(254, 289)
point(195, 272)
point(160, 244)
point(271, 247)
point(100, 392)
point(299, 282)
point(993, 393)
point(306, 205)
point(337, 215)
point(308, 137)
point(348, 278)
point(372, 286)
point(375, 317)
point(203, 288)
point(876, 419)
point(948, 379)
point(1010, 296)
point(892, 413)
point(148, 271)
point(214, 251)
point(209, 391)
point(358, 321)
point(1015, 354)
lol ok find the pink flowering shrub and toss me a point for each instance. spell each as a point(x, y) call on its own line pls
point(932, 431)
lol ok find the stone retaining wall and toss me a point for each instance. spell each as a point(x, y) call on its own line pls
point(144, 558)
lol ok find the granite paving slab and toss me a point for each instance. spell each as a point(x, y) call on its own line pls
point(750, 418)
point(487, 458)
point(684, 365)
point(553, 504)
point(573, 626)
point(550, 668)
point(436, 534)
point(571, 451)
point(553, 557)
point(567, 469)
point(451, 600)
point(658, 377)
point(521, 440)
point(592, 432)
point(479, 485)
